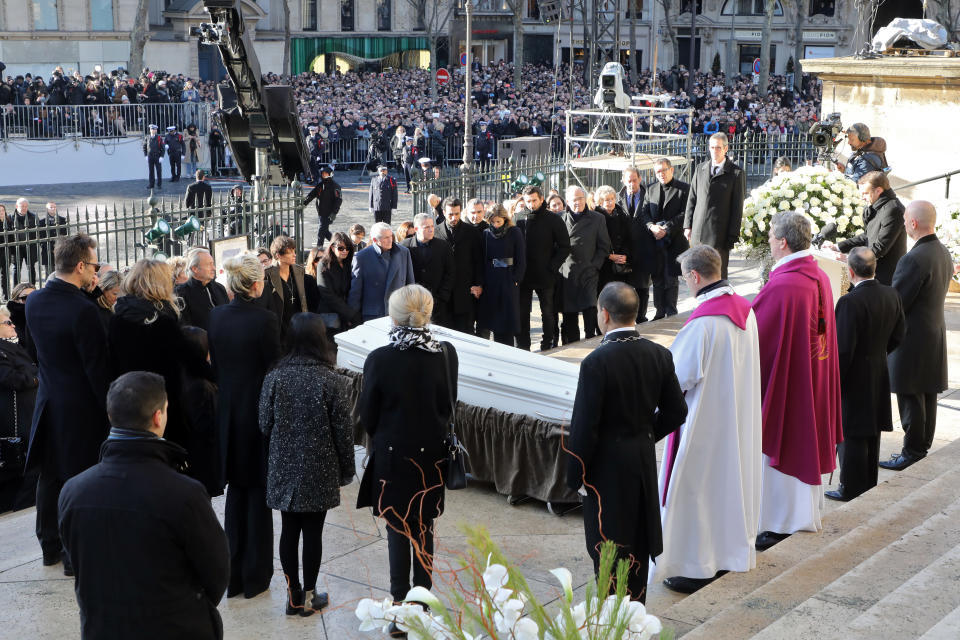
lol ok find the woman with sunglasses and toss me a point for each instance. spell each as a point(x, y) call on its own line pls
point(17, 306)
point(334, 276)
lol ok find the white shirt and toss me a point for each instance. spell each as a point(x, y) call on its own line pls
point(619, 329)
point(861, 282)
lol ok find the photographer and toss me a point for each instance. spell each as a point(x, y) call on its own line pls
point(869, 154)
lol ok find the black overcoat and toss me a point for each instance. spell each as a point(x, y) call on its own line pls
point(199, 300)
point(244, 343)
point(621, 242)
point(870, 325)
point(919, 364)
point(433, 268)
point(628, 398)
point(715, 205)
point(273, 297)
point(499, 308)
point(466, 241)
point(71, 411)
point(674, 243)
point(589, 248)
point(403, 480)
point(18, 394)
point(885, 234)
point(131, 521)
point(333, 288)
point(643, 247)
point(547, 246)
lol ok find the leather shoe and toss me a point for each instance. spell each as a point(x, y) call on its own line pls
point(395, 632)
point(768, 538)
point(839, 495)
point(50, 559)
point(681, 584)
point(898, 462)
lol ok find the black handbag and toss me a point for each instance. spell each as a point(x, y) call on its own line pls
point(11, 448)
point(456, 475)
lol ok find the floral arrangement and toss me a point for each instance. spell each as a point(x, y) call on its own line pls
point(824, 196)
point(490, 599)
point(948, 230)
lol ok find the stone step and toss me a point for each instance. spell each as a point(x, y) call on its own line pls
point(828, 613)
point(743, 604)
point(947, 629)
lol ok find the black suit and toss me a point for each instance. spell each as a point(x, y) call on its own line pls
point(666, 204)
point(918, 367)
point(466, 241)
point(642, 247)
point(244, 342)
point(628, 398)
point(200, 196)
point(433, 268)
point(26, 247)
point(53, 228)
point(715, 208)
point(870, 325)
point(70, 417)
point(547, 245)
point(885, 234)
point(199, 300)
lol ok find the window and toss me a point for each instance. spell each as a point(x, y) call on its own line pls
point(346, 15)
point(751, 7)
point(685, 6)
point(533, 10)
point(384, 10)
point(45, 15)
point(101, 15)
point(637, 9)
point(822, 7)
point(309, 15)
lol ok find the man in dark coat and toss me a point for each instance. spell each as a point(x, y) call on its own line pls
point(199, 196)
point(433, 265)
point(547, 246)
point(54, 226)
point(134, 520)
point(216, 141)
point(328, 197)
point(580, 272)
point(153, 150)
point(24, 222)
point(883, 222)
point(70, 419)
point(466, 242)
point(383, 195)
point(870, 325)
point(643, 244)
point(918, 367)
point(715, 203)
point(173, 145)
point(628, 398)
point(201, 293)
point(663, 210)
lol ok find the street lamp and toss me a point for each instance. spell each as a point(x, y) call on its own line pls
point(467, 167)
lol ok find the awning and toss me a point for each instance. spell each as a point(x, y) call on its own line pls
point(304, 50)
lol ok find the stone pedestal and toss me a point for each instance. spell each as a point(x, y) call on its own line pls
point(911, 103)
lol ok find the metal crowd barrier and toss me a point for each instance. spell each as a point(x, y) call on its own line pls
point(49, 122)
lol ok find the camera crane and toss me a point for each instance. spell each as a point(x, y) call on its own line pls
point(259, 121)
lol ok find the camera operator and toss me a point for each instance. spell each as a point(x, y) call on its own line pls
point(869, 154)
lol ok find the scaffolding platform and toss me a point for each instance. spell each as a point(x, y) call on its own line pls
point(613, 162)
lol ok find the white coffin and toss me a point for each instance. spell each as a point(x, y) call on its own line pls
point(835, 270)
point(491, 374)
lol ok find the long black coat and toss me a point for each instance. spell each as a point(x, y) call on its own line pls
point(28, 237)
point(71, 411)
point(333, 287)
point(885, 234)
point(589, 248)
point(548, 245)
point(919, 364)
point(499, 308)
point(433, 268)
point(18, 392)
point(643, 247)
point(18, 313)
point(244, 343)
point(199, 397)
point(405, 471)
point(628, 398)
point(199, 301)
point(273, 295)
point(53, 228)
point(870, 325)
point(621, 242)
point(466, 241)
point(674, 243)
point(715, 205)
point(132, 521)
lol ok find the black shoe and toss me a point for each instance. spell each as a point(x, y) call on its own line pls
point(898, 462)
point(233, 590)
point(658, 317)
point(681, 584)
point(318, 600)
point(50, 559)
point(67, 568)
point(768, 538)
point(839, 495)
point(294, 600)
point(394, 631)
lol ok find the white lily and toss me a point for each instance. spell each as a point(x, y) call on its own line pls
point(565, 578)
point(420, 594)
point(526, 629)
point(508, 614)
point(494, 579)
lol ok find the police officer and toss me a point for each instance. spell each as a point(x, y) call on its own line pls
point(329, 199)
point(383, 195)
point(315, 145)
point(215, 141)
point(153, 150)
point(484, 145)
point(173, 143)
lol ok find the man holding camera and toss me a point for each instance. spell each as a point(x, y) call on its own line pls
point(869, 154)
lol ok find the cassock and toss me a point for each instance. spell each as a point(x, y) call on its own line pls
point(800, 384)
point(710, 475)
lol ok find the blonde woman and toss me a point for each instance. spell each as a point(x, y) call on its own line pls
point(244, 343)
point(178, 269)
point(109, 293)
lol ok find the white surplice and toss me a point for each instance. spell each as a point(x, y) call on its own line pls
point(712, 506)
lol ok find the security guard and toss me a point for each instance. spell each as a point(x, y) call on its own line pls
point(173, 143)
point(329, 199)
point(315, 146)
point(153, 150)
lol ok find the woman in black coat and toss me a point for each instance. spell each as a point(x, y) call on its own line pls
point(18, 392)
point(17, 306)
point(109, 287)
point(305, 415)
point(405, 409)
point(504, 263)
point(244, 343)
point(617, 267)
point(333, 281)
point(199, 396)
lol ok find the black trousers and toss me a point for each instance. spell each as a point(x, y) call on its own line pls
point(666, 290)
point(641, 282)
point(858, 464)
point(547, 316)
point(631, 542)
point(216, 160)
point(570, 329)
point(382, 216)
point(724, 262)
point(155, 170)
point(175, 167)
point(311, 526)
point(323, 231)
point(400, 550)
point(918, 416)
point(48, 494)
point(503, 338)
point(248, 523)
point(463, 321)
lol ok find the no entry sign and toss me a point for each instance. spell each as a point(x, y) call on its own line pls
point(443, 76)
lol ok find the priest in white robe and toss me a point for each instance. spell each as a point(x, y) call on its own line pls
point(710, 476)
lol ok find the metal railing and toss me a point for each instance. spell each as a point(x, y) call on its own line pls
point(943, 176)
point(120, 229)
point(45, 122)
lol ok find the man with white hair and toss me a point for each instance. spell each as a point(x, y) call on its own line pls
point(433, 265)
point(54, 226)
point(378, 271)
point(201, 293)
point(580, 271)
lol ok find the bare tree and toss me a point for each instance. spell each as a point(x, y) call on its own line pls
point(517, 6)
point(800, 16)
point(138, 37)
point(433, 16)
point(286, 36)
point(633, 38)
point(671, 30)
point(769, 7)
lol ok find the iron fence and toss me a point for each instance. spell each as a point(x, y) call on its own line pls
point(45, 122)
point(122, 230)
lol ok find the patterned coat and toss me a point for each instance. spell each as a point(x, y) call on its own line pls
point(306, 416)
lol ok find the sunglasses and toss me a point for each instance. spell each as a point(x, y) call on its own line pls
point(340, 247)
point(96, 266)
point(21, 298)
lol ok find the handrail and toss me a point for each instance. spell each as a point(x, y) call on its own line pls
point(942, 176)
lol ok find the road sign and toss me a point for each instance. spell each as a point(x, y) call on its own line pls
point(463, 59)
point(756, 65)
point(443, 76)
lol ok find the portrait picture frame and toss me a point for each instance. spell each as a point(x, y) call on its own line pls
point(224, 248)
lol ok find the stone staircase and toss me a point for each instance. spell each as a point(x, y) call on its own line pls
point(886, 565)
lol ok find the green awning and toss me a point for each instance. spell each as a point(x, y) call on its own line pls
point(304, 50)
